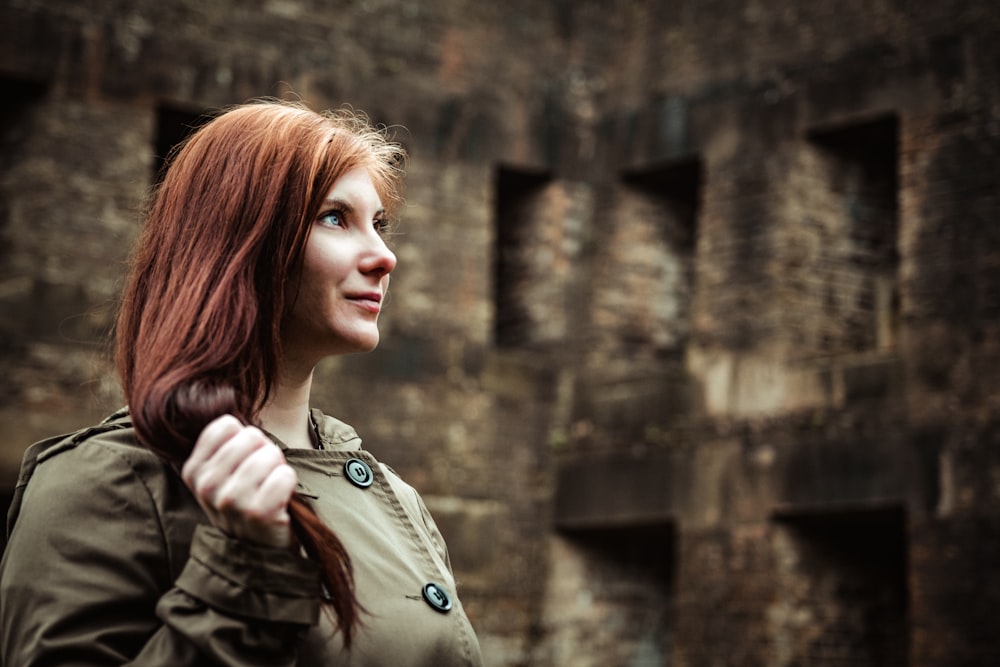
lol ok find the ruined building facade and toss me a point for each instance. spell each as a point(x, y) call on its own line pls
point(693, 344)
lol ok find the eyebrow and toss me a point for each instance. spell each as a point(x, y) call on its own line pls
point(346, 205)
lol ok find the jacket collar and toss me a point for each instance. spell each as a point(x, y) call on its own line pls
point(334, 434)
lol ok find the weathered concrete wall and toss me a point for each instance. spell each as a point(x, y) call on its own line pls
point(826, 382)
point(692, 341)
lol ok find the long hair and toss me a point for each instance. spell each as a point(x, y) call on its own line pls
point(213, 274)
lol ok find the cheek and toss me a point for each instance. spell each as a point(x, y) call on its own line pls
point(313, 273)
point(318, 289)
point(323, 264)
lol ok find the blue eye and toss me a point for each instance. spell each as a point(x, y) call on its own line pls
point(331, 218)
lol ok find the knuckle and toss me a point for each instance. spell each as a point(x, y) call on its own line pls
point(226, 422)
point(218, 428)
point(289, 473)
point(204, 486)
point(276, 456)
point(226, 501)
point(255, 435)
point(269, 456)
point(202, 482)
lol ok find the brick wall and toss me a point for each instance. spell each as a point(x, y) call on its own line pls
point(690, 297)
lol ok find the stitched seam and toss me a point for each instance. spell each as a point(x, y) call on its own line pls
point(385, 489)
point(156, 510)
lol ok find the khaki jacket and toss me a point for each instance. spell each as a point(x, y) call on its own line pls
point(111, 561)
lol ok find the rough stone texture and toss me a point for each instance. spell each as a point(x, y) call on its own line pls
point(612, 593)
point(692, 344)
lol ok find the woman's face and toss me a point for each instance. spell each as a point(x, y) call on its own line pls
point(345, 275)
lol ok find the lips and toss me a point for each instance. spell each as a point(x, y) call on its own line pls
point(370, 301)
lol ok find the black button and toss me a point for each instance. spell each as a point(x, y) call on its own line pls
point(359, 473)
point(437, 598)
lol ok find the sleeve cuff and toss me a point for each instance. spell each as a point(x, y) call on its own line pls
point(264, 583)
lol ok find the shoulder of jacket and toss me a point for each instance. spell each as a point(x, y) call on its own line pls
point(116, 428)
point(114, 434)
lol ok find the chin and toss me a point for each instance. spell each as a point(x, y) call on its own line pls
point(358, 345)
point(367, 348)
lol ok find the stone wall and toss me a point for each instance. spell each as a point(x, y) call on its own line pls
point(692, 340)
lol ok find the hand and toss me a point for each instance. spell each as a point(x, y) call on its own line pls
point(242, 481)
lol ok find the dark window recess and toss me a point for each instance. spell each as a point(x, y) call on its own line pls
point(862, 167)
point(519, 196)
point(640, 548)
point(676, 187)
point(849, 575)
point(173, 126)
point(631, 574)
point(21, 97)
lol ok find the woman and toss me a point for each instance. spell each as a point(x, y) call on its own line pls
point(220, 520)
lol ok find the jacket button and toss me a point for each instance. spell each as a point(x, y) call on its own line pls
point(359, 473)
point(437, 598)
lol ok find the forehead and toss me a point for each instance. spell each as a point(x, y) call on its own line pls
point(357, 188)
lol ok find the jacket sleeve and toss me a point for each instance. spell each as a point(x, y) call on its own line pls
point(85, 580)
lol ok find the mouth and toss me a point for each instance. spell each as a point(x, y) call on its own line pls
point(370, 301)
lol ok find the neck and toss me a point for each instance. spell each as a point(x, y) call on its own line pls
point(286, 414)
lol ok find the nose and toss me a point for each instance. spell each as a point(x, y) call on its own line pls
point(379, 260)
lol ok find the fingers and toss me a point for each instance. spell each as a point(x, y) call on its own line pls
point(276, 491)
point(242, 481)
point(264, 518)
point(249, 487)
point(212, 437)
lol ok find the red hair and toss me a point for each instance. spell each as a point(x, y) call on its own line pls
point(213, 275)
